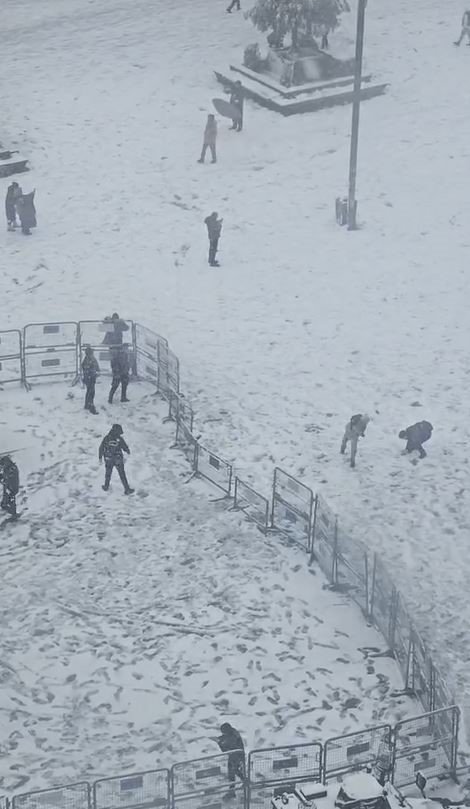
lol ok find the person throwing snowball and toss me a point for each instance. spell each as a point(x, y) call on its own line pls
point(355, 429)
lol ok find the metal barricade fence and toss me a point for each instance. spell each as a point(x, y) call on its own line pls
point(50, 349)
point(382, 601)
point(203, 783)
point(173, 372)
point(11, 356)
point(4, 802)
point(273, 769)
point(402, 643)
point(72, 796)
point(352, 570)
point(420, 678)
point(147, 353)
point(94, 333)
point(210, 466)
point(185, 441)
point(254, 505)
point(325, 539)
point(292, 508)
point(426, 744)
point(140, 790)
point(345, 754)
point(179, 408)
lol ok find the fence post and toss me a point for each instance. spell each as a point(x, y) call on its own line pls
point(312, 533)
point(134, 349)
point(393, 619)
point(334, 567)
point(455, 744)
point(372, 589)
point(366, 571)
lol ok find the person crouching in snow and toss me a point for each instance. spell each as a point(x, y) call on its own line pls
point(355, 428)
point(416, 435)
point(210, 139)
point(465, 28)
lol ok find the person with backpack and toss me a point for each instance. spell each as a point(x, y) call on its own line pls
point(214, 227)
point(10, 480)
point(355, 429)
point(210, 139)
point(111, 449)
point(120, 367)
point(465, 28)
point(416, 435)
point(228, 741)
point(90, 370)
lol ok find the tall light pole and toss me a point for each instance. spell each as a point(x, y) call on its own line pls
point(361, 11)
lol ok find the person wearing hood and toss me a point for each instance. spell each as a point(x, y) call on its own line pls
point(228, 741)
point(10, 480)
point(111, 449)
point(214, 227)
point(416, 435)
point(14, 192)
point(355, 429)
point(90, 370)
point(210, 139)
point(27, 212)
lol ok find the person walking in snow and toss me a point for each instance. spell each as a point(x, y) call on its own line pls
point(228, 741)
point(416, 435)
point(120, 368)
point(14, 192)
point(210, 139)
point(111, 449)
point(236, 99)
point(234, 4)
point(355, 428)
point(465, 28)
point(27, 212)
point(90, 370)
point(10, 480)
point(214, 228)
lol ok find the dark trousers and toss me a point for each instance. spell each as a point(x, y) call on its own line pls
point(237, 123)
point(412, 445)
point(8, 503)
point(236, 767)
point(90, 393)
point(324, 42)
point(234, 4)
point(109, 466)
point(122, 380)
point(213, 245)
point(210, 146)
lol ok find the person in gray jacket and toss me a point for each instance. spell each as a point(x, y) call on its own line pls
point(465, 28)
point(355, 429)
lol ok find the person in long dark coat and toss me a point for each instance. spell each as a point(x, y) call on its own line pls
point(13, 193)
point(90, 370)
point(120, 368)
point(111, 449)
point(10, 479)
point(214, 228)
point(416, 435)
point(236, 98)
point(27, 212)
point(231, 740)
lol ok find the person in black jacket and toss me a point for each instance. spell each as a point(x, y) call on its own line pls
point(231, 740)
point(27, 212)
point(214, 227)
point(416, 435)
point(10, 479)
point(117, 326)
point(236, 98)
point(120, 369)
point(90, 370)
point(14, 192)
point(111, 449)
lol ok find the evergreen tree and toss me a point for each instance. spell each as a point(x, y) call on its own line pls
point(295, 17)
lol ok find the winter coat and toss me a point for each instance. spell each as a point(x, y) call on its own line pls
point(13, 194)
point(9, 476)
point(90, 368)
point(236, 98)
point(112, 447)
point(231, 740)
point(418, 433)
point(26, 210)
point(210, 133)
point(113, 337)
point(356, 426)
point(214, 227)
point(120, 364)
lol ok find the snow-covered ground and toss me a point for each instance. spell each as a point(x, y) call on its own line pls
point(304, 323)
point(134, 626)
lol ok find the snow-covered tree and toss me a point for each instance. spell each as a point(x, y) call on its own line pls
point(296, 17)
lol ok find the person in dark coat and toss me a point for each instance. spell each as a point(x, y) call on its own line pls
point(465, 28)
point(234, 4)
point(210, 139)
point(113, 336)
point(120, 368)
point(27, 212)
point(231, 740)
point(111, 449)
point(10, 480)
point(90, 370)
point(355, 429)
point(416, 436)
point(214, 227)
point(14, 192)
point(236, 98)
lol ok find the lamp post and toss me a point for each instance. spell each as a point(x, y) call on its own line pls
point(361, 10)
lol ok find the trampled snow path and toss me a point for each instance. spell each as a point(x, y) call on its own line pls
point(134, 626)
point(304, 323)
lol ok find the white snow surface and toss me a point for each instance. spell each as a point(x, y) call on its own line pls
point(302, 325)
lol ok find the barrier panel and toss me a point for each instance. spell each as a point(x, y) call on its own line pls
point(11, 356)
point(140, 790)
point(382, 601)
point(203, 783)
point(352, 570)
point(254, 505)
point(426, 744)
point(210, 466)
point(4, 802)
point(345, 754)
point(50, 349)
point(147, 345)
point(420, 671)
point(292, 508)
point(93, 333)
point(273, 769)
point(324, 539)
point(441, 696)
point(179, 408)
point(72, 796)
point(185, 441)
point(173, 372)
point(402, 643)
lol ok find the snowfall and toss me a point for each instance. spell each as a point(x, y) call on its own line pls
point(133, 626)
